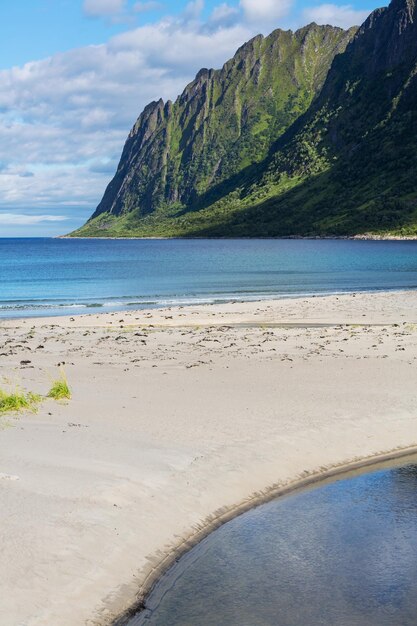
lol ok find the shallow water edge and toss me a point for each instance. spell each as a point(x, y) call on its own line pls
point(56, 277)
point(321, 476)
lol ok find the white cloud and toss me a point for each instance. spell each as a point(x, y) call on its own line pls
point(6, 170)
point(266, 12)
point(337, 15)
point(61, 117)
point(98, 8)
point(64, 119)
point(194, 9)
point(21, 219)
point(224, 14)
point(143, 7)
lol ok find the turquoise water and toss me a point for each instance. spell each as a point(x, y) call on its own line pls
point(61, 276)
point(344, 554)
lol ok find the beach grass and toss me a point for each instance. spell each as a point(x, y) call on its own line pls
point(60, 389)
point(18, 400)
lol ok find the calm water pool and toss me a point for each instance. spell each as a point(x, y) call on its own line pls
point(342, 554)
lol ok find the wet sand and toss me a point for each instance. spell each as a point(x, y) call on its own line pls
point(179, 417)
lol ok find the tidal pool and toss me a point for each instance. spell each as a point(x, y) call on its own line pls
point(341, 554)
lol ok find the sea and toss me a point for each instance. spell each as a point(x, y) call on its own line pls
point(45, 276)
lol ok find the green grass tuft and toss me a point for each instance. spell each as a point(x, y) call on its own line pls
point(60, 389)
point(18, 401)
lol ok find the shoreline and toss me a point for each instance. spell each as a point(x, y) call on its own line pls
point(230, 307)
point(148, 307)
point(364, 237)
point(180, 418)
point(315, 479)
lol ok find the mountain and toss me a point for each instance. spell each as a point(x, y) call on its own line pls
point(350, 163)
point(306, 133)
point(223, 123)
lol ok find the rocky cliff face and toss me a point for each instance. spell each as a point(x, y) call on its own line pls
point(366, 83)
point(276, 143)
point(223, 122)
point(353, 154)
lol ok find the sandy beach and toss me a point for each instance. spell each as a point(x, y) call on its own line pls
point(180, 418)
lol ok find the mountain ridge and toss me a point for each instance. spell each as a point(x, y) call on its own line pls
point(225, 92)
point(324, 163)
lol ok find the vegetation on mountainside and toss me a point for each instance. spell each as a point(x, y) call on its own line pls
point(181, 155)
point(271, 159)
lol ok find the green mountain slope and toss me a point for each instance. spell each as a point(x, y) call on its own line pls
point(347, 164)
point(223, 124)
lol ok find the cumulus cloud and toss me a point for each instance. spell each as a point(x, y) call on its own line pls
point(224, 14)
point(100, 8)
point(265, 12)
point(337, 15)
point(21, 219)
point(64, 119)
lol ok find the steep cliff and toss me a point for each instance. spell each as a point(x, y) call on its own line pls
point(337, 153)
point(224, 122)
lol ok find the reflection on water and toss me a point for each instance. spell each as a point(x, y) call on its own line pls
point(344, 554)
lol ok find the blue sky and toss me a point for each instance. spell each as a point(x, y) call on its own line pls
point(75, 74)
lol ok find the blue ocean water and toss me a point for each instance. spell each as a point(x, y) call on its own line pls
point(62, 276)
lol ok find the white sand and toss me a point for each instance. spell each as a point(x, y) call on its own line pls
point(205, 409)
